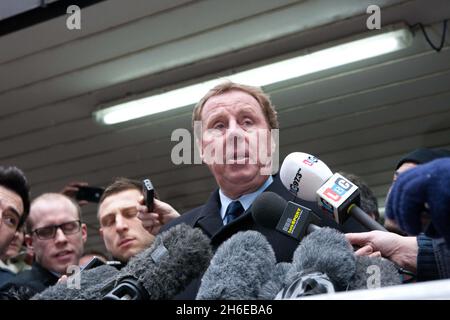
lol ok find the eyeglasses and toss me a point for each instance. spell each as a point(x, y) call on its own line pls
point(10, 219)
point(49, 232)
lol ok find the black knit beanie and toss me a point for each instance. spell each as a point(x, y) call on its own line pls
point(423, 155)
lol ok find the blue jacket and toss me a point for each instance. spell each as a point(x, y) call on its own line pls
point(5, 276)
point(433, 259)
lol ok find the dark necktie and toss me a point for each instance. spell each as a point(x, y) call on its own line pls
point(234, 210)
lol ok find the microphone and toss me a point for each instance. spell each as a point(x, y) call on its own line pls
point(310, 179)
point(92, 283)
point(272, 211)
point(274, 285)
point(176, 257)
point(238, 270)
point(16, 292)
point(326, 251)
point(371, 273)
point(323, 262)
point(306, 285)
point(298, 167)
point(374, 272)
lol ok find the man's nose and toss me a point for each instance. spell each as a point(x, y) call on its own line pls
point(16, 235)
point(121, 223)
point(234, 131)
point(60, 237)
point(233, 126)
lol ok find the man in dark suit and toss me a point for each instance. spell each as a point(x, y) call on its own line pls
point(234, 123)
point(227, 123)
point(230, 122)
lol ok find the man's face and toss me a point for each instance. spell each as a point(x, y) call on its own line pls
point(404, 167)
point(62, 251)
point(232, 124)
point(11, 209)
point(122, 231)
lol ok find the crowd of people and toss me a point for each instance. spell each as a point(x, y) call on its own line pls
point(41, 239)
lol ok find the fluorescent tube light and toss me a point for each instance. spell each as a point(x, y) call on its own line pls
point(336, 55)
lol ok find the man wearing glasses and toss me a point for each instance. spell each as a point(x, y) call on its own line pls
point(56, 236)
point(14, 208)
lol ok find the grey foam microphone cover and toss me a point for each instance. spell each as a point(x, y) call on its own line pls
point(276, 283)
point(239, 268)
point(92, 283)
point(327, 251)
point(374, 272)
point(176, 257)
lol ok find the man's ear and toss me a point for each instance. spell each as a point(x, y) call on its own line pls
point(29, 242)
point(273, 141)
point(84, 232)
point(198, 138)
point(198, 143)
point(271, 166)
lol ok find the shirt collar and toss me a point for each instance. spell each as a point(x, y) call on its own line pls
point(246, 199)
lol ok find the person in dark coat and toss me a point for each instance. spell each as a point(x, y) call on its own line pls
point(234, 125)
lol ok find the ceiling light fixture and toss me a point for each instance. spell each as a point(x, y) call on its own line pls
point(337, 54)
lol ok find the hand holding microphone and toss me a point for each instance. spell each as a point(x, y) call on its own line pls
point(310, 179)
point(324, 262)
point(400, 250)
point(425, 188)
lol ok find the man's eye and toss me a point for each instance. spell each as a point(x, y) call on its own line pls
point(45, 232)
point(131, 213)
point(248, 122)
point(10, 219)
point(218, 126)
point(108, 221)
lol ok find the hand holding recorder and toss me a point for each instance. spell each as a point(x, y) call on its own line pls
point(152, 212)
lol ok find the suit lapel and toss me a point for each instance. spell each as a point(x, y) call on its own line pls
point(209, 218)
